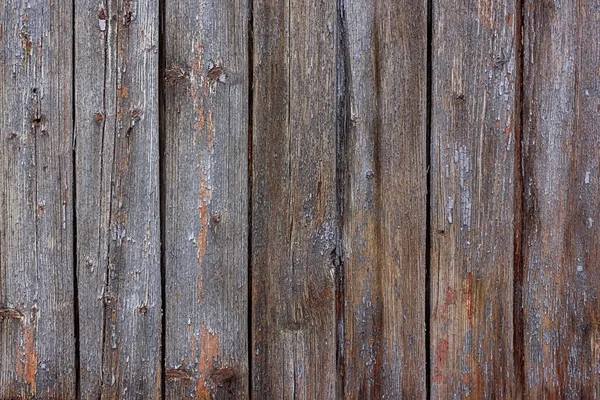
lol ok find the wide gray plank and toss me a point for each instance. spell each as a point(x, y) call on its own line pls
point(118, 220)
point(206, 198)
point(561, 252)
point(37, 345)
point(474, 129)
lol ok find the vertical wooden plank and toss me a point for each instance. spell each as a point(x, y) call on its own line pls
point(118, 246)
point(474, 67)
point(561, 277)
point(293, 200)
point(37, 345)
point(206, 198)
point(95, 89)
point(384, 214)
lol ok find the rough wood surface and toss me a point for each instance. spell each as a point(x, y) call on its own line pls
point(37, 342)
point(293, 200)
point(561, 280)
point(294, 139)
point(205, 185)
point(118, 220)
point(384, 47)
point(474, 70)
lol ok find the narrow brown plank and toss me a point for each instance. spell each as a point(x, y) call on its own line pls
point(474, 66)
point(118, 221)
point(206, 198)
point(561, 280)
point(293, 200)
point(37, 345)
point(384, 213)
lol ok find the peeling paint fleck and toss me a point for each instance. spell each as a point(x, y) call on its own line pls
point(449, 209)
point(102, 20)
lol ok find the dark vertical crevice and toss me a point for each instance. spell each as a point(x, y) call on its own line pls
point(518, 355)
point(342, 128)
point(74, 205)
point(428, 150)
point(250, 173)
point(102, 256)
point(161, 183)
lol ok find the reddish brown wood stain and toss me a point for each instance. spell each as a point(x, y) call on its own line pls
point(210, 356)
point(467, 297)
point(441, 358)
point(205, 195)
point(27, 365)
point(485, 12)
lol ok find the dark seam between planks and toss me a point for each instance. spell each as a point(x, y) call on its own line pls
point(250, 61)
point(108, 244)
point(518, 261)
point(162, 191)
point(428, 227)
point(111, 203)
point(342, 127)
point(76, 360)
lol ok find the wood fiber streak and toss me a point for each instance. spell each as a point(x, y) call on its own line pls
point(37, 342)
point(118, 216)
point(293, 200)
point(205, 169)
point(384, 212)
point(561, 143)
point(474, 67)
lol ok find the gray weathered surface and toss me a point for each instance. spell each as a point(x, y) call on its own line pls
point(473, 129)
point(561, 273)
point(206, 198)
point(293, 200)
point(37, 345)
point(118, 230)
point(315, 114)
point(384, 48)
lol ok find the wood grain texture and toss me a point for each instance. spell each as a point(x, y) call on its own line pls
point(36, 203)
point(293, 200)
point(561, 194)
point(206, 198)
point(118, 220)
point(385, 185)
point(474, 67)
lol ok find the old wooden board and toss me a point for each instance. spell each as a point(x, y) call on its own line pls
point(561, 280)
point(205, 169)
point(383, 178)
point(117, 208)
point(37, 341)
point(293, 200)
point(473, 135)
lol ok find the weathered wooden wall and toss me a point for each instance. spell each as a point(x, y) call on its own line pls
point(299, 199)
